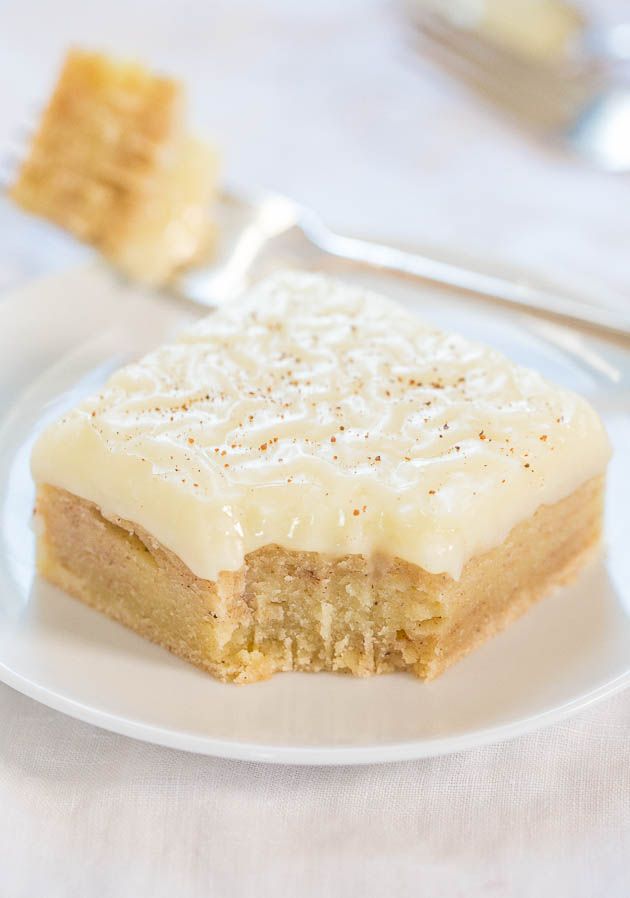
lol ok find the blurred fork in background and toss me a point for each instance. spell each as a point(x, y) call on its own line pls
point(542, 62)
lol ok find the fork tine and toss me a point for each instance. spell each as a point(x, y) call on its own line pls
point(10, 163)
point(543, 97)
point(13, 155)
point(563, 70)
point(492, 60)
point(489, 82)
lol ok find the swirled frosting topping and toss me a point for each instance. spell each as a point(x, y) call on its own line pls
point(321, 417)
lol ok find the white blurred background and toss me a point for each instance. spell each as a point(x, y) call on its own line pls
point(331, 103)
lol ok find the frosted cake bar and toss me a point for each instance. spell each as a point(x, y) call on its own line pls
point(313, 479)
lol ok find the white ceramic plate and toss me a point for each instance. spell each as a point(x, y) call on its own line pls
point(59, 338)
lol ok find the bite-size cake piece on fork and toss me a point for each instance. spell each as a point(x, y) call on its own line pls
point(114, 163)
point(314, 479)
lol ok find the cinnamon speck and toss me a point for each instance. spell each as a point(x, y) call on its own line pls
point(482, 435)
point(543, 438)
point(191, 440)
point(356, 512)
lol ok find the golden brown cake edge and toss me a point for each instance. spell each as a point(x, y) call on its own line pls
point(289, 610)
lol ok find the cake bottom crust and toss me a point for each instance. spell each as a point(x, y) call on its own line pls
point(289, 610)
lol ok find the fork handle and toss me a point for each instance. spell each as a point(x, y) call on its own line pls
point(486, 284)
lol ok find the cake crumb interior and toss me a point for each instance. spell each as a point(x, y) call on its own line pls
point(291, 610)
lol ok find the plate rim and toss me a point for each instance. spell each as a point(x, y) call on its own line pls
point(305, 755)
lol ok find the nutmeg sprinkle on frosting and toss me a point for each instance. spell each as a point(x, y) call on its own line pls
point(319, 416)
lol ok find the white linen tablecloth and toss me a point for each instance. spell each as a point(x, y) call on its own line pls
point(329, 103)
point(87, 813)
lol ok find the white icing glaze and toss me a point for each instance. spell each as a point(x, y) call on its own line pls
point(323, 418)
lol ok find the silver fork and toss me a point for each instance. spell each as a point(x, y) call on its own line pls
point(260, 233)
point(577, 102)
